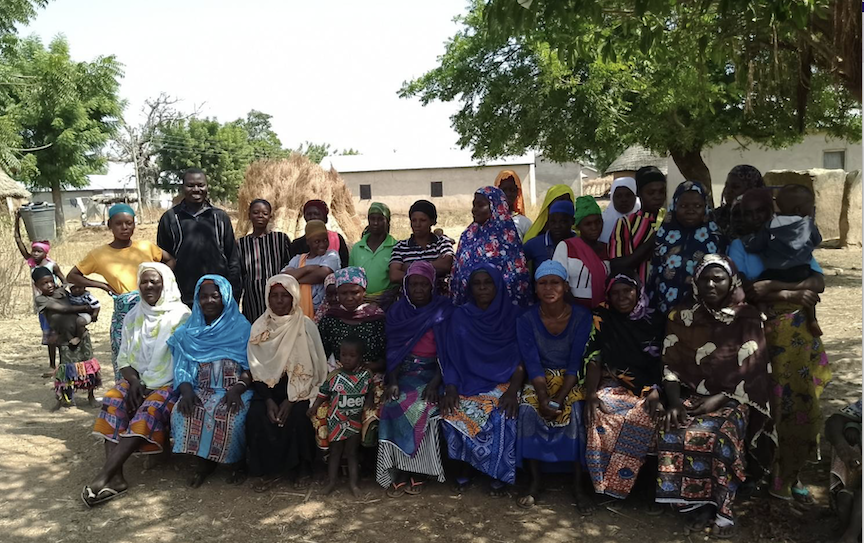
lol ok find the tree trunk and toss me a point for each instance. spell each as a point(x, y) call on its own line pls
point(692, 167)
point(59, 216)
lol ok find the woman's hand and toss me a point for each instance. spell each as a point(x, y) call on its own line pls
point(653, 406)
point(272, 411)
point(188, 403)
point(391, 393)
point(509, 403)
point(135, 396)
point(450, 401)
point(675, 418)
point(107, 288)
point(284, 411)
point(547, 411)
point(806, 298)
point(708, 405)
point(233, 399)
point(592, 404)
point(430, 394)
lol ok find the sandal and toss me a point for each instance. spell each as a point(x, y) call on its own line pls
point(718, 532)
point(92, 499)
point(396, 489)
point(498, 490)
point(801, 494)
point(701, 519)
point(526, 502)
point(265, 484)
point(416, 488)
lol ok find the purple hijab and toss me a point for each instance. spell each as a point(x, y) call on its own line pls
point(407, 323)
point(481, 350)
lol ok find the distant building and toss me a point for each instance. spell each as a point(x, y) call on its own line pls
point(447, 179)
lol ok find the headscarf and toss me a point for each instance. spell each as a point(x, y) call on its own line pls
point(426, 207)
point(628, 346)
point(749, 176)
point(316, 227)
point(724, 352)
point(380, 209)
point(287, 344)
point(481, 350)
point(406, 323)
point(496, 241)
point(320, 204)
point(197, 342)
point(728, 215)
point(550, 267)
point(679, 250)
point(563, 206)
point(586, 206)
point(647, 175)
point(45, 246)
point(539, 225)
point(120, 208)
point(610, 214)
point(519, 205)
point(365, 312)
point(147, 329)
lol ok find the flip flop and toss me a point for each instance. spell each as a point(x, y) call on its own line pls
point(92, 499)
point(801, 494)
point(729, 535)
point(416, 488)
point(526, 502)
point(396, 490)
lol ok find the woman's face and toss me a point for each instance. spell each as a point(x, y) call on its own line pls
point(481, 210)
point(754, 215)
point(623, 200)
point(350, 295)
point(421, 224)
point(653, 196)
point(690, 209)
point(150, 287)
point(318, 244)
point(483, 289)
point(313, 213)
point(591, 227)
point(259, 215)
point(623, 298)
point(550, 289)
point(510, 190)
point(559, 225)
point(419, 290)
point(733, 188)
point(210, 300)
point(280, 300)
point(377, 224)
point(713, 284)
point(122, 226)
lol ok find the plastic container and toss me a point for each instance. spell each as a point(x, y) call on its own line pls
point(39, 221)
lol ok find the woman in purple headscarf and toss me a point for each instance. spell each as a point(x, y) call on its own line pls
point(408, 446)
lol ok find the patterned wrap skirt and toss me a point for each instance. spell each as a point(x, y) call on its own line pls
point(78, 370)
point(149, 422)
point(123, 304)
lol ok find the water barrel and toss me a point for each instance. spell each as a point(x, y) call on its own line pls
point(39, 221)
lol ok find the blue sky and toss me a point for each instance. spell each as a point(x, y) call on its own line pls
point(327, 70)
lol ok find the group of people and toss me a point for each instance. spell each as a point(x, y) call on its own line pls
point(643, 338)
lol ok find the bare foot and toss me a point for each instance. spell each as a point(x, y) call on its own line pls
point(329, 488)
point(355, 490)
point(584, 504)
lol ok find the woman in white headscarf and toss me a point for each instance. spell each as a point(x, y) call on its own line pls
point(623, 202)
point(287, 363)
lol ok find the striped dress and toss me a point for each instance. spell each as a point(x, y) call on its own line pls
point(261, 257)
point(629, 233)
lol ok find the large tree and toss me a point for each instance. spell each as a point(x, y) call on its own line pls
point(564, 89)
point(317, 151)
point(64, 112)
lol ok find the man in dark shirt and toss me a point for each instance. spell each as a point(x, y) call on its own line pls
point(200, 237)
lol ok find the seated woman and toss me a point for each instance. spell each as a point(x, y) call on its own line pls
point(510, 184)
point(843, 431)
point(312, 268)
point(135, 413)
point(212, 375)
point(424, 245)
point(556, 193)
point(408, 445)
point(287, 363)
point(718, 384)
point(482, 378)
point(585, 257)
point(688, 233)
point(552, 337)
point(317, 210)
point(622, 386)
point(353, 316)
point(491, 238)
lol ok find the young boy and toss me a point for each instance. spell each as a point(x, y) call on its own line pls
point(347, 390)
point(79, 295)
point(787, 241)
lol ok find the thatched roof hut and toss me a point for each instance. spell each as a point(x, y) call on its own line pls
point(633, 158)
point(12, 192)
point(598, 188)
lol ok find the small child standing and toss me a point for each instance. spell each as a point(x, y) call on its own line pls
point(346, 389)
point(78, 369)
point(79, 295)
point(787, 241)
point(37, 257)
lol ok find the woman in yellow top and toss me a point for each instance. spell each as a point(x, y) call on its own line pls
point(555, 193)
point(117, 262)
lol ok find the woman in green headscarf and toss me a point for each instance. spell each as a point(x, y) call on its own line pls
point(585, 257)
point(372, 252)
point(555, 193)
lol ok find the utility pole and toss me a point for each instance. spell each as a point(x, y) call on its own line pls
point(134, 142)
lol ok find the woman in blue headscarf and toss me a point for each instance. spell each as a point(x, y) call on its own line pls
point(211, 371)
point(482, 376)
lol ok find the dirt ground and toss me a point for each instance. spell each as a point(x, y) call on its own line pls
point(46, 458)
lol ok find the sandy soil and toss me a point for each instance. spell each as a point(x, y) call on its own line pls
point(46, 458)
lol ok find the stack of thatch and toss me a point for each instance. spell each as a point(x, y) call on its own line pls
point(289, 183)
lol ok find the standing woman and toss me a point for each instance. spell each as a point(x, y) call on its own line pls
point(624, 203)
point(558, 228)
point(310, 269)
point(287, 364)
point(741, 178)
point(622, 386)
point(491, 238)
point(262, 255)
point(212, 374)
point(118, 262)
point(408, 444)
point(552, 337)
point(556, 193)
point(718, 383)
point(482, 378)
point(688, 233)
point(585, 257)
point(508, 181)
point(317, 210)
point(373, 251)
point(424, 245)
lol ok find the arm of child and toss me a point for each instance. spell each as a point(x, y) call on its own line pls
point(18, 241)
